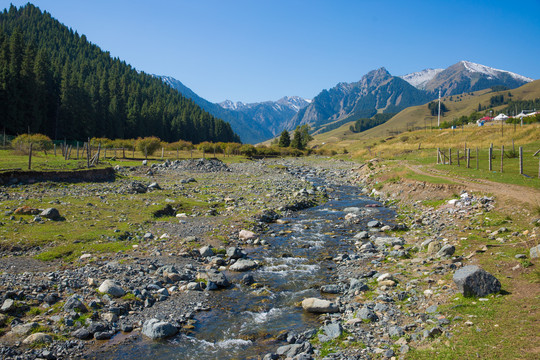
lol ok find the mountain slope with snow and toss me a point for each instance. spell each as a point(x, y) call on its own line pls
point(420, 78)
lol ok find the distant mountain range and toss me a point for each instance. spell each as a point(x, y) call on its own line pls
point(254, 122)
point(377, 92)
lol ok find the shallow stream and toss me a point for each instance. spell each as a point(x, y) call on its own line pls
point(246, 321)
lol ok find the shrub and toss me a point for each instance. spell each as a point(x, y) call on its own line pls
point(105, 143)
point(38, 141)
point(248, 150)
point(148, 145)
point(179, 145)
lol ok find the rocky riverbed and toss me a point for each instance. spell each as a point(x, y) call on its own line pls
point(381, 298)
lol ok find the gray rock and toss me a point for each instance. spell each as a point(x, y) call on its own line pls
point(156, 329)
point(366, 313)
point(74, 303)
point(314, 305)
point(51, 299)
point(243, 265)
point(534, 252)
point(8, 305)
point(436, 331)
point(51, 213)
point(234, 253)
point(214, 276)
point(362, 235)
point(81, 334)
point(24, 329)
point(396, 331)
point(434, 247)
point(431, 309)
point(330, 289)
point(112, 288)
point(333, 330)
point(446, 250)
point(388, 241)
point(289, 351)
point(474, 281)
point(154, 186)
point(357, 285)
point(206, 251)
point(103, 335)
point(247, 279)
point(38, 338)
point(374, 224)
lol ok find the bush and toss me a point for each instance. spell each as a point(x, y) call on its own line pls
point(128, 144)
point(148, 145)
point(206, 146)
point(38, 141)
point(179, 145)
point(248, 150)
point(105, 143)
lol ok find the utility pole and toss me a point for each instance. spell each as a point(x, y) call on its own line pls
point(439, 114)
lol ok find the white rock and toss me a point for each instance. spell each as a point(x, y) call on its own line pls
point(112, 288)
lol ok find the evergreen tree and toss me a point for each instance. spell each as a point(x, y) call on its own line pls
point(297, 142)
point(284, 139)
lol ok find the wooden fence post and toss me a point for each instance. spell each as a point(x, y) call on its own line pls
point(450, 156)
point(54, 149)
point(457, 157)
point(521, 160)
point(162, 150)
point(438, 155)
point(468, 158)
point(490, 152)
point(477, 159)
point(88, 155)
point(77, 150)
point(502, 157)
point(30, 157)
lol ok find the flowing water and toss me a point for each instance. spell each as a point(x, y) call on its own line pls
point(245, 322)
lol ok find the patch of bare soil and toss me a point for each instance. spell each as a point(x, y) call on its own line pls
point(502, 191)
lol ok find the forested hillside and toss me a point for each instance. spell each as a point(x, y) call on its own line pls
point(54, 81)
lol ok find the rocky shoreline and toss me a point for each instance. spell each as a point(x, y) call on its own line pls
point(384, 299)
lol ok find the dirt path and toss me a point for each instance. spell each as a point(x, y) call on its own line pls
point(502, 191)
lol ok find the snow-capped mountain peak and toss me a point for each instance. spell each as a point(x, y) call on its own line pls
point(420, 78)
point(491, 72)
point(231, 105)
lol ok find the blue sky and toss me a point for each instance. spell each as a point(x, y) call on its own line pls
point(256, 50)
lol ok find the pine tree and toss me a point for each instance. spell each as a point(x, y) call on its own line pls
point(297, 140)
point(284, 139)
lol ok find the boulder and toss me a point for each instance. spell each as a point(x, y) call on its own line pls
point(24, 329)
point(110, 287)
point(314, 305)
point(157, 329)
point(374, 224)
point(246, 235)
point(446, 250)
point(242, 265)
point(534, 252)
point(234, 253)
point(474, 281)
point(8, 305)
point(51, 213)
point(74, 303)
point(367, 314)
point(38, 338)
point(214, 276)
point(81, 334)
point(206, 251)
